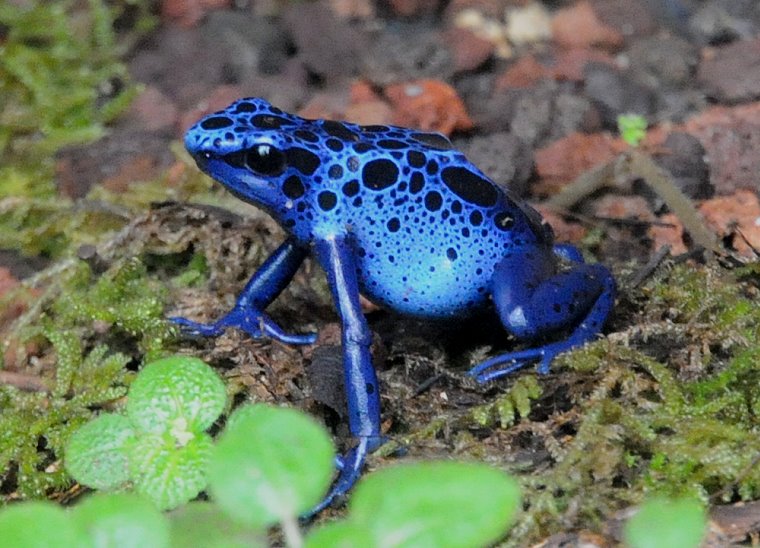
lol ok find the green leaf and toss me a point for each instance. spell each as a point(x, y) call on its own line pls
point(96, 454)
point(204, 524)
point(442, 504)
point(122, 521)
point(271, 464)
point(632, 128)
point(179, 393)
point(167, 474)
point(38, 524)
point(339, 534)
point(663, 523)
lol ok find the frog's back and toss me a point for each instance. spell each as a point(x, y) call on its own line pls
point(427, 226)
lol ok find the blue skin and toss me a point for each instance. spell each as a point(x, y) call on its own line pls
point(401, 217)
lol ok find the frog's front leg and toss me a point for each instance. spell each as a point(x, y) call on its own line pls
point(263, 288)
point(536, 294)
point(362, 391)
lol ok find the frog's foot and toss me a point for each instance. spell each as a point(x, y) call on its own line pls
point(349, 469)
point(544, 355)
point(255, 323)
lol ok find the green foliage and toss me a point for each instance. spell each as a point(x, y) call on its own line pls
point(59, 79)
point(29, 418)
point(161, 445)
point(38, 525)
point(444, 504)
point(124, 297)
point(662, 523)
point(285, 475)
point(641, 427)
point(121, 521)
point(511, 405)
point(632, 128)
point(203, 524)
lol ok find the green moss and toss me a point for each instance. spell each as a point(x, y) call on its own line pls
point(508, 407)
point(646, 426)
point(95, 325)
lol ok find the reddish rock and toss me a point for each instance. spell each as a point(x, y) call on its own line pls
point(631, 18)
point(732, 73)
point(570, 64)
point(737, 215)
point(138, 168)
point(154, 110)
point(731, 138)
point(430, 105)
point(410, 8)
point(188, 13)
point(327, 106)
point(564, 231)
point(221, 97)
point(562, 161)
point(579, 27)
point(353, 9)
point(468, 50)
point(669, 231)
point(366, 107)
point(615, 206)
point(523, 73)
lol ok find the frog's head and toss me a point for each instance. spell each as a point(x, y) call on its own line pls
point(249, 147)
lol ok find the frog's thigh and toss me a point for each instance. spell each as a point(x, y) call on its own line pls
point(534, 297)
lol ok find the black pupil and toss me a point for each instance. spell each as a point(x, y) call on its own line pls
point(261, 159)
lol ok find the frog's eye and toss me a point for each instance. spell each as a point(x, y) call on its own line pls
point(261, 159)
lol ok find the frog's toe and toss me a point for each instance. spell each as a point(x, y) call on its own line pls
point(543, 356)
point(190, 327)
point(275, 331)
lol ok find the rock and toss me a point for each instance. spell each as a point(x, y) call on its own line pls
point(731, 74)
point(154, 111)
point(564, 230)
point(430, 105)
point(736, 217)
point(562, 161)
point(504, 157)
point(662, 61)
point(731, 137)
point(316, 30)
point(529, 24)
point(579, 27)
point(413, 8)
point(614, 93)
point(683, 156)
point(407, 52)
point(468, 50)
point(629, 18)
point(724, 21)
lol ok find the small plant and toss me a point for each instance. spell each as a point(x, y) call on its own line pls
point(269, 466)
point(662, 523)
point(160, 446)
point(443, 504)
point(632, 128)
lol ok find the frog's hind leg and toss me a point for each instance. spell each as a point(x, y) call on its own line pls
point(536, 294)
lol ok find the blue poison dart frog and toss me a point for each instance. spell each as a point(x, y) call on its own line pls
point(401, 217)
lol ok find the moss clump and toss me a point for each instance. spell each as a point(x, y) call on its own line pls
point(675, 413)
point(95, 325)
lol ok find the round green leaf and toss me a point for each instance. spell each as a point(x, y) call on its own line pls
point(271, 464)
point(204, 524)
point(96, 454)
point(122, 521)
point(178, 393)
point(442, 504)
point(38, 525)
point(662, 523)
point(167, 474)
point(339, 534)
